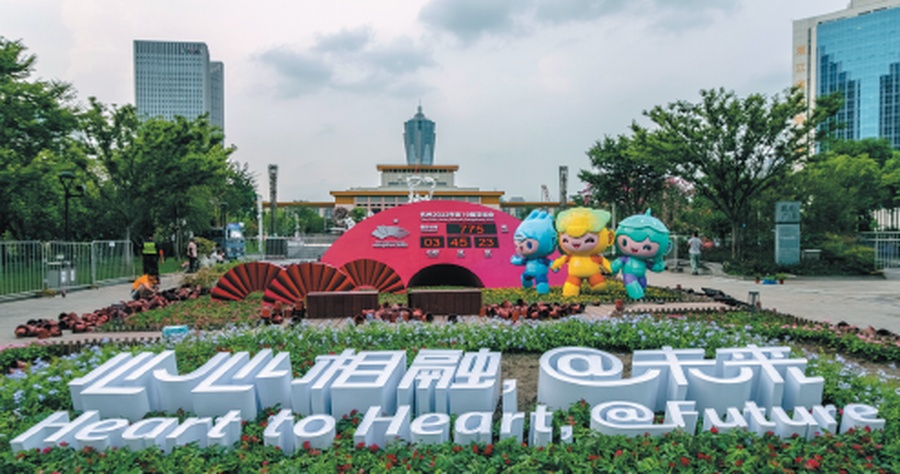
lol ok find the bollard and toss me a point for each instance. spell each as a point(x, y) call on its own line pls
point(753, 298)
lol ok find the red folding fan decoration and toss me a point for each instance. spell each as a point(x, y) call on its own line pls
point(244, 279)
point(293, 283)
point(367, 273)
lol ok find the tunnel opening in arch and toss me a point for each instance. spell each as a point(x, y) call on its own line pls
point(445, 275)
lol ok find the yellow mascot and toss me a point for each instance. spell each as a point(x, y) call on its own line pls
point(583, 236)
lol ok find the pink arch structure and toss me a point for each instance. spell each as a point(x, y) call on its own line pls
point(435, 236)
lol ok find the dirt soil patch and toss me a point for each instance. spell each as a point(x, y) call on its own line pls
point(525, 369)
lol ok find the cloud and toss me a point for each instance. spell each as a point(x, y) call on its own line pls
point(346, 41)
point(472, 20)
point(401, 56)
point(469, 20)
point(351, 61)
point(301, 73)
point(684, 15)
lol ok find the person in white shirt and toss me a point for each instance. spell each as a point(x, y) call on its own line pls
point(694, 246)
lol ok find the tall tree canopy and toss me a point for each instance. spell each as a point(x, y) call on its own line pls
point(730, 148)
point(622, 176)
point(159, 175)
point(36, 122)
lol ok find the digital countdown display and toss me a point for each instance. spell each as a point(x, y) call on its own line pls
point(463, 236)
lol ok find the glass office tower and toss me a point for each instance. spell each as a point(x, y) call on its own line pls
point(173, 78)
point(418, 136)
point(855, 52)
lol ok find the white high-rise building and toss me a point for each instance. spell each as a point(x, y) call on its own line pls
point(173, 78)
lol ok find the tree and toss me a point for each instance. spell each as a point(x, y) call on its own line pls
point(840, 191)
point(108, 138)
point(731, 149)
point(160, 176)
point(36, 124)
point(622, 176)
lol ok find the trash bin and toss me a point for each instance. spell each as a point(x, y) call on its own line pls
point(60, 274)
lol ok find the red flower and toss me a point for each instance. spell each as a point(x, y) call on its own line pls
point(47, 450)
point(373, 448)
point(488, 449)
point(457, 448)
point(739, 463)
point(714, 430)
point(685, 461)
point(617, 453)
point(812, 464)
point(360, 445)
point(475, 448)
point(306, 445)
point(594, 457)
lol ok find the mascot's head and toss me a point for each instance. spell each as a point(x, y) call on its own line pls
point(583, 231)
point(642, 236)
point(535, 237)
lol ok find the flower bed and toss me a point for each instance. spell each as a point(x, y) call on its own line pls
point(38, 388)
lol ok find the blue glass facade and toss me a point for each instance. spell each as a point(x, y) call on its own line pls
point(860, 57)
point(419, 137)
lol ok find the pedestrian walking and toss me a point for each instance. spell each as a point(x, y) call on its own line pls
point(192, 255)
point(694, 249)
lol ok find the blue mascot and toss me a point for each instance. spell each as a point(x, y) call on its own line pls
point(535, 240)
point(643, 241)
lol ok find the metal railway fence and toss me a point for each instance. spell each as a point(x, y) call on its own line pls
point(309, 248)
point(30, 267)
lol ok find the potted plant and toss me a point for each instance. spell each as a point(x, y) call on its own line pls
point(780, 277)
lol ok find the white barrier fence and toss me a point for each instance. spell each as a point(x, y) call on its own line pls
point(27, 267)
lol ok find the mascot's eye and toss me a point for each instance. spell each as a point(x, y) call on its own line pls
point(624, 242)
point(589, 240)
point(529, 245)
point(648, 248)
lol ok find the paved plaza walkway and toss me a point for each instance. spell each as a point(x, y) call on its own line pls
point(863, 301)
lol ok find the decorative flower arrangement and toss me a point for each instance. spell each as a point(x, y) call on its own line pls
point(38, 386)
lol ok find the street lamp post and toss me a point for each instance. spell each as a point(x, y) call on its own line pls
point(70, 191)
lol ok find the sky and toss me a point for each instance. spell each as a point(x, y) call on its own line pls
point(517, 88)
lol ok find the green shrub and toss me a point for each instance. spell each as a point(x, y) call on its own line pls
point(204, 246)
point(847, 256)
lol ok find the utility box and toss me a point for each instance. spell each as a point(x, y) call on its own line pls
point(276, 247)
point(60, 274)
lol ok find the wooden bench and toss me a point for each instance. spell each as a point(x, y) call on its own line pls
point(339, 304)
point(444, 302)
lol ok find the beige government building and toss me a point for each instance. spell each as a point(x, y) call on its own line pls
point(417, 180)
